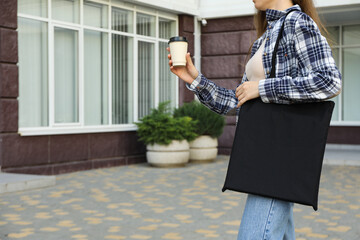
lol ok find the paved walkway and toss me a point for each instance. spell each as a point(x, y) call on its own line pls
point(141, 202)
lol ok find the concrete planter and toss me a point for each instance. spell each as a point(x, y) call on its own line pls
point(203, 149)
point(176, 154)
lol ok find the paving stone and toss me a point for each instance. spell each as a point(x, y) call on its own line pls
point(142, 202)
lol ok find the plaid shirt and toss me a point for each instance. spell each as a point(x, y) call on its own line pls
point(305, 69)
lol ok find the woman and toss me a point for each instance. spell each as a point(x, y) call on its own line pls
point(305, 73)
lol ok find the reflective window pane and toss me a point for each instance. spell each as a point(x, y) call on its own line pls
point(66, 75)
point(122, 79)
point(167, 80)
point(33, 73)
point(351, 96)
point(33, 7)
point(122, 20)
point(96, 77)
point(167, 28)
point(95, 14)
point(334, 35)
point(65, 10)
point(335, 116)
point(146, 77)
point(351, 35)
point(145, 24)
point(105, 96)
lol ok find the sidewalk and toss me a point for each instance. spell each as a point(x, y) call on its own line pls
point(141, 202)
point(10, 182)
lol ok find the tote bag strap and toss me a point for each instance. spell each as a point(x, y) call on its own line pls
point(273, 60)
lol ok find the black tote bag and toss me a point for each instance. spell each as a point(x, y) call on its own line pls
point(278, 149)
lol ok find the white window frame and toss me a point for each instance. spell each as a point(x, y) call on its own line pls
point(79, 127)
point(340, 48)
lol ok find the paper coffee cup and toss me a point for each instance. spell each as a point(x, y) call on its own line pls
point(178, 49)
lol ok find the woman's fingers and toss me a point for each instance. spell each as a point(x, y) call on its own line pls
point(239, 90)
point(172, 69)
point(241, 99)
point(169, 56)
point(188, 59)
point(241, 94)
point(247, 91)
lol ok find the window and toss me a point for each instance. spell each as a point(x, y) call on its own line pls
point(346, 52)
point(96, 85)
point(122, 65)
point(66, 75)
point(66, 10)
point(91, 66)
point(33, 72)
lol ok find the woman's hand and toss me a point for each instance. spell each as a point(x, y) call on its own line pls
point(187, 73)
point(247, 91)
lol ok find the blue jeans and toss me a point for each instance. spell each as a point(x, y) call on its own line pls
point(267, 219)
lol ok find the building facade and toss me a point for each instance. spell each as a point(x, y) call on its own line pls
point(76, 74)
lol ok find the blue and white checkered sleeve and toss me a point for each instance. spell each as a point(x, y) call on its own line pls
point(217, 99)
point(319, 78)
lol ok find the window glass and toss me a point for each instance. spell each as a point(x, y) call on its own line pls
point(167, 80)
point(95, 14)
point(145, 24)
point(33, 7)
point(167, 28)
point(122, 20)
point(81, 89)
point(96, 77)
point(122, 79)
point(146, 77)
point(65, 10)
point(66, 75)
point(33, 74)
point(351, 96)
point(334, 35)
point(351, 35)
point(335, 116)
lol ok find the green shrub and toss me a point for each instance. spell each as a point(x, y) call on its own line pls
point(161, 127)
point(208, 122)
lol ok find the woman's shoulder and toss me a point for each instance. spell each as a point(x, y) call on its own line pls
point(295, 16)
point(298, 20)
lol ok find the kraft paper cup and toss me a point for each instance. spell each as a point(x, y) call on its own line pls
point(178, 49)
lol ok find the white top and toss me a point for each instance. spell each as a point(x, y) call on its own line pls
point(254, 68)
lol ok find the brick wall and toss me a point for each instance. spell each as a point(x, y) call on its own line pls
point(8, 70)
point(56, 154)
point(224, 46)
point(53, 154)
point(344, 135)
